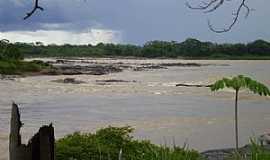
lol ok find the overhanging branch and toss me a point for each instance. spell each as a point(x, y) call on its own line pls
point(35, 8)
point(207, 7)
point(214, 5)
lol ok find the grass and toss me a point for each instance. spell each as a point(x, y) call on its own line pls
point(116, 143)
point(113, 143)
point(18, 67)
point(255, 152)
point(258, 152)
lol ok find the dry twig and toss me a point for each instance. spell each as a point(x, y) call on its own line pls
point(213, 5)
point(36, 7)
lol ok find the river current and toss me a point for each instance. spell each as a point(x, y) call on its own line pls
point(150, 102)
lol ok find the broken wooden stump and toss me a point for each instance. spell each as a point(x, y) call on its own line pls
point(39, 147)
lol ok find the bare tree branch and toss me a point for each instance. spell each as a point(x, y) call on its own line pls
point(36, 7)
point(214, 5)
point(206, 6)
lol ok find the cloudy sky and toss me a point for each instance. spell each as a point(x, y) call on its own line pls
point(128, 21)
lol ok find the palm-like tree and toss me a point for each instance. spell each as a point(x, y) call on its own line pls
point(237, 83)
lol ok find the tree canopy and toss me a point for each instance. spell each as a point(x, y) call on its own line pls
point(190, 48)
point(242, 82)
point(9, 50)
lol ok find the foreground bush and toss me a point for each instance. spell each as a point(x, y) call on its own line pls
point(114, 143)
point(259, 152)
point(253, 151)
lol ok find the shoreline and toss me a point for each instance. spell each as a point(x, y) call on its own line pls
point(226, 153)
point(155, 58)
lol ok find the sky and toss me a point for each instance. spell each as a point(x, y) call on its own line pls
point(128, 21)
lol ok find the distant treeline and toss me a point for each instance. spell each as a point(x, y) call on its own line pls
point(190, 48)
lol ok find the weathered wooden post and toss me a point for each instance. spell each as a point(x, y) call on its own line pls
point(39, 147)
point(17, 151)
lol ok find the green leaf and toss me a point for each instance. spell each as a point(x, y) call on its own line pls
point(241, 82)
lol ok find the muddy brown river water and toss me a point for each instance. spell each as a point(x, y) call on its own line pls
point(150, 102)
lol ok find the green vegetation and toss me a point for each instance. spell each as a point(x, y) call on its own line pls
point(189, 49)
point(11, 61)
point(237, 83)
point(258, 152)
point(116, 143)
point(113, 143)
point(9, 51)
point(255, 152)
point(17, 67)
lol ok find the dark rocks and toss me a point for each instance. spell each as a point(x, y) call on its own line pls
point(60, 61)
point(264, 139)
point(118, 65)
point(113, 81)
point(78, 70)
point(80, 66)
point(110, 81)
point(222, 154)
point(88, 70)
point(51, 72)
point(148, 67)
point(69, 81)
point(183, 64)
point(8, 77)
point(230, 153)
point(103, 68)
point(41, 63)
point(191, 85)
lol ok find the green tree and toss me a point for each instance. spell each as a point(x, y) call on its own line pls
point(237, 83)
point(259, 47)
point(3, 47)
point(9, 50)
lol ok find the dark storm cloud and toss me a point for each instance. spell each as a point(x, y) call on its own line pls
point(139, 20)
point(13, 11)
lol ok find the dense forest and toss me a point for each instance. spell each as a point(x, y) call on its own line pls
point(190, 48)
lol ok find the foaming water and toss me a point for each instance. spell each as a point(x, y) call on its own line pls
point(152, 105)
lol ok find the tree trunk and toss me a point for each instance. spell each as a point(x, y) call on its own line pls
point(236, 120)
point(39, 147)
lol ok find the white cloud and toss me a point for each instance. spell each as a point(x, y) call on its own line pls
point(17, 2)
point(93, 36)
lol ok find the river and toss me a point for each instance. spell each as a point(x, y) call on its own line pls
point(150, 102)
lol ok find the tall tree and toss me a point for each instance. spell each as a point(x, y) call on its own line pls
point(237, 83)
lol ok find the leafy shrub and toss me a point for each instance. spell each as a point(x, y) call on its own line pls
point(255, 151)
point(111, 143)
point(9, 51)
point(12, 67)
point(258, 152)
